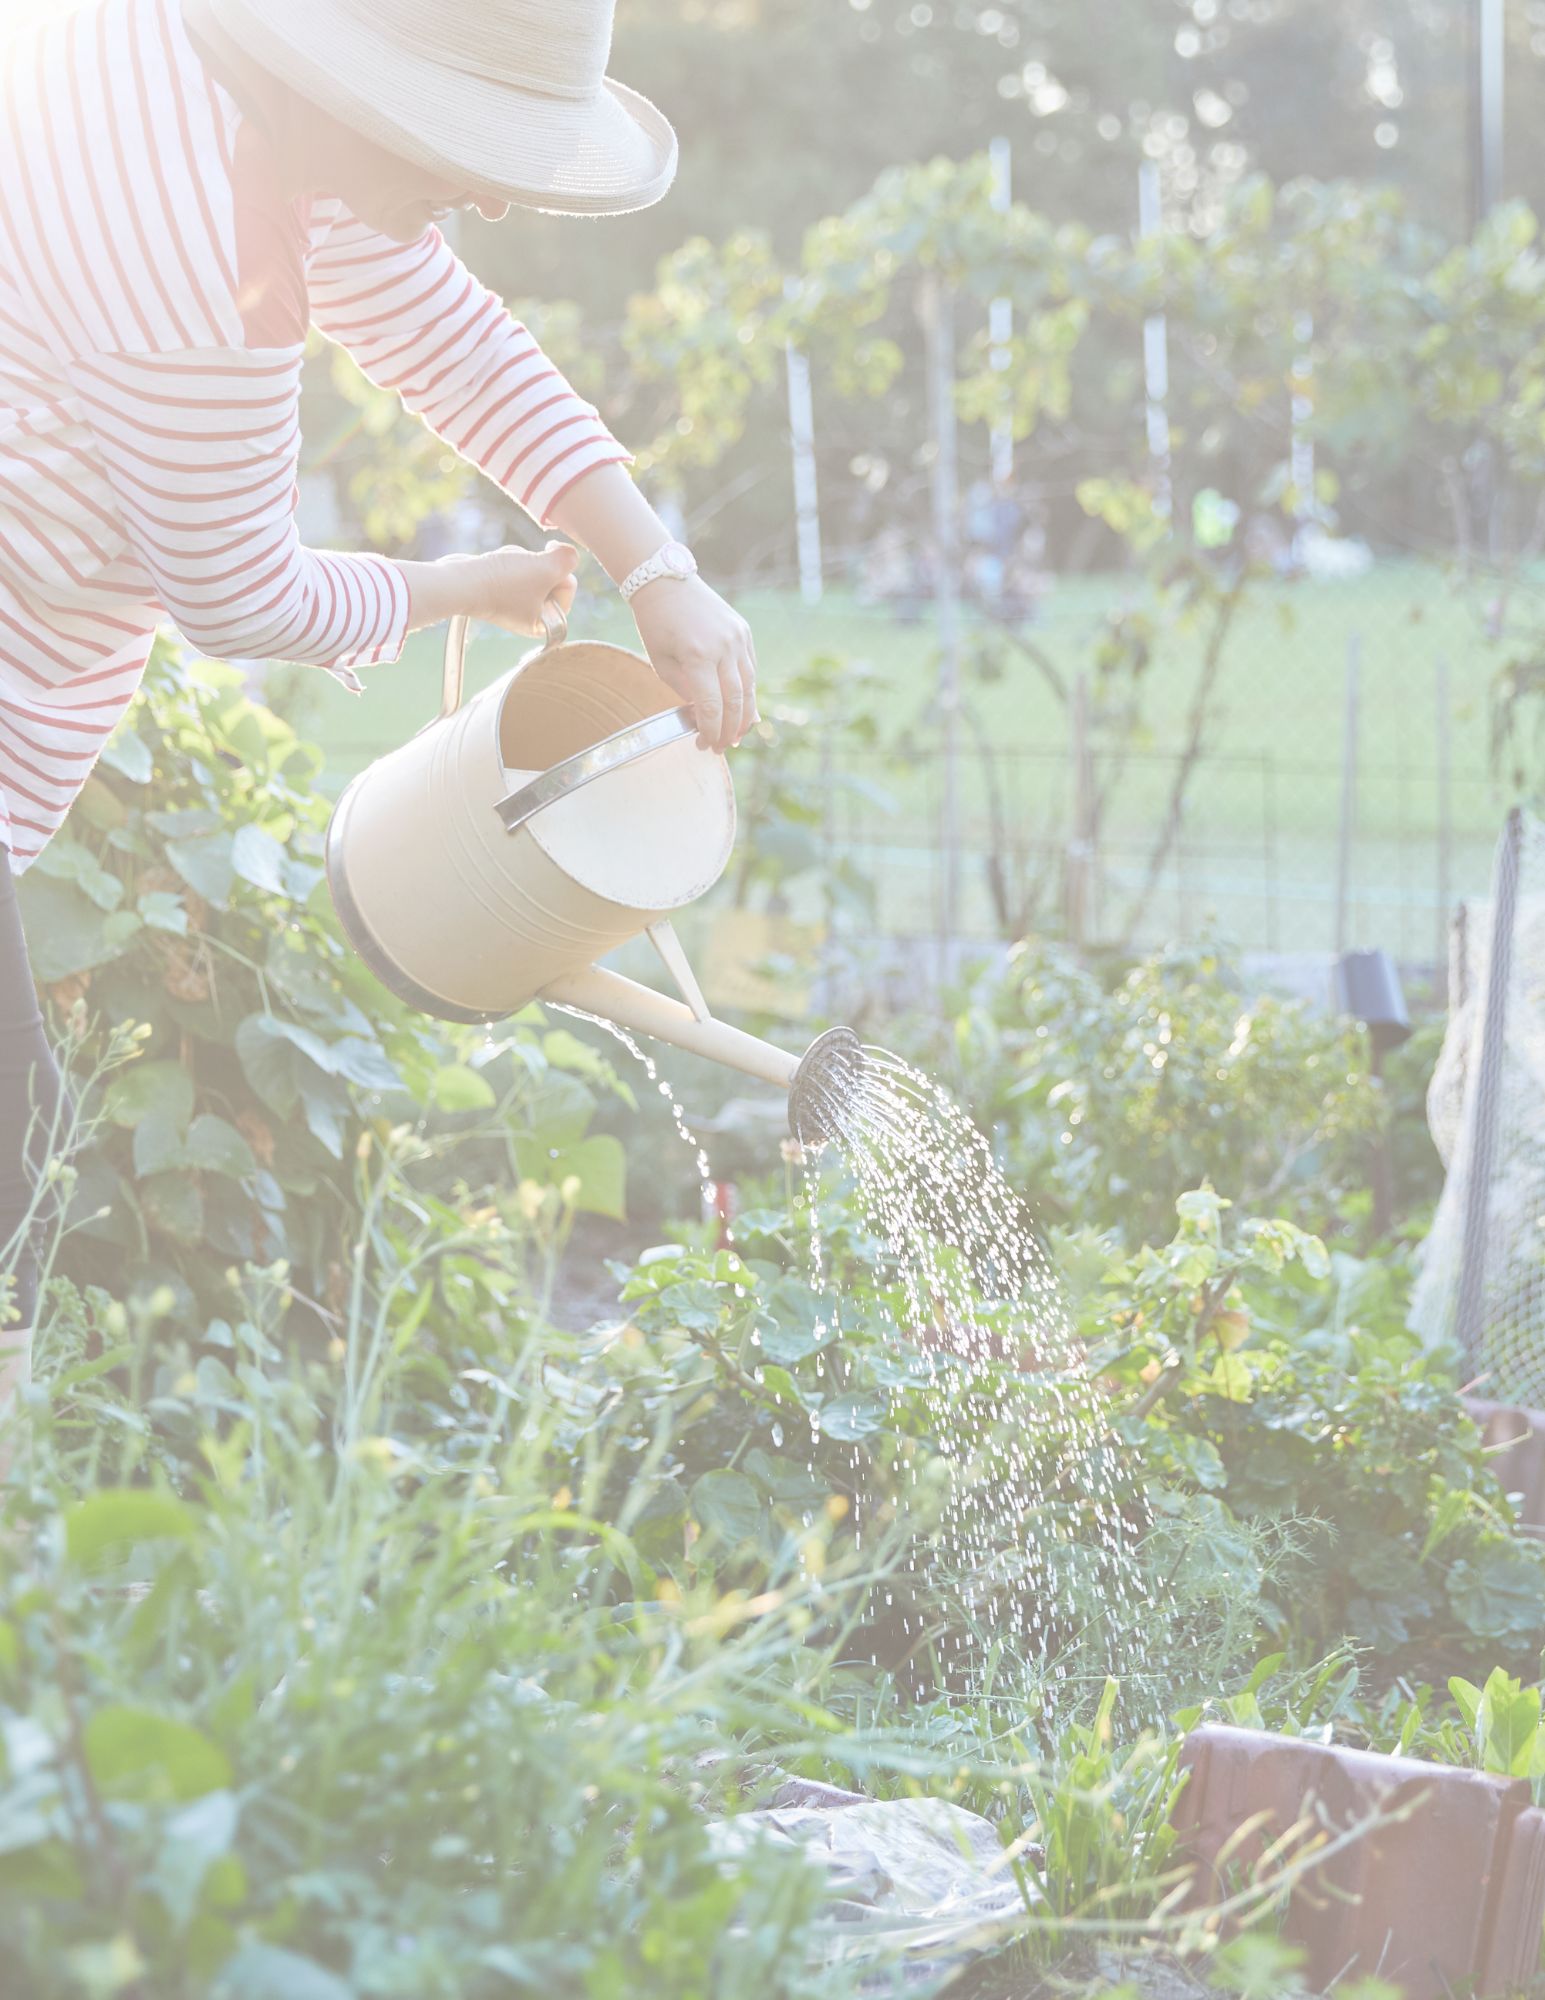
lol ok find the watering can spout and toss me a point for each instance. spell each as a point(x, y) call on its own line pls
point(820, 1083)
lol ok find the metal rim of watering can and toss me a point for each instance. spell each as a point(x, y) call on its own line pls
point(623, 746)
point(827, 1073)
point(453, 668)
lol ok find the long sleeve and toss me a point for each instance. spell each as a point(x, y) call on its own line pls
point(417, 321)
point(200, 448)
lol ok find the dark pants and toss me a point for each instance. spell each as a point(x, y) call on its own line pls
point(32, 1097)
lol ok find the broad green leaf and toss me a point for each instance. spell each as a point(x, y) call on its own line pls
point(269, 1972)
point(218, 1148)
point(193, 1841)
point(165, 1088)
point(851, 1417)
point(117, 1515)
point(326, 1105)
point(172, 1202)
point(129, 755)
point(1231, 1378)
point(457, 1088)
point(206, 865)
point(1508, 1724)
point(66, 932)
point(163, 911)
point(258, 858)
point(728, 1506)
point(72, 861)
point(362, 1062)
point(137, 1753)
point(598, 1163)
point(158, 1143)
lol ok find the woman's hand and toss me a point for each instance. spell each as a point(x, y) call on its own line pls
point(508, 587)
point(703, 651)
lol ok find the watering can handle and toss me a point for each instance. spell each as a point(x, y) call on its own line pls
point(555, 625)
point(623, 746)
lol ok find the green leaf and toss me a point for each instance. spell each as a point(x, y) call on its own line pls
point(172, 1202)
point(727, 1506)
point(117, 1515)
point(207, 865)
point(326, 1105)
point(362, 1062)
point(851, 1417)
point(194, 1839)
point(129, 755)
point(1231, 1378)
point(269, 1062)
point(454, 1087)
point(165, 1088)
point(163, 911)
point(599, 1163)
point(268, 1972)
point(66, 932)
point(1498, 1593)
point(136, 1753)
point(1508, 1725)
point(70, 861)
point(218, 1148)
point(158, 1146)
point(259, 859)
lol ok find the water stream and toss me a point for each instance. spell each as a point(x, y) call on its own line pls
point(1036, 1533)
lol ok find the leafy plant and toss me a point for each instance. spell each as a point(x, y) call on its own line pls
point(1284, 1383)
point(231, 1049)
point(1107, 1102)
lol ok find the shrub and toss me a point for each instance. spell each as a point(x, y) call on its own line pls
point(1106, 1103)
point(1282, 1381)
point(188, 901)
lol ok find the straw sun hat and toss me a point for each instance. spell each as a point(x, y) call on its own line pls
point(507, 98)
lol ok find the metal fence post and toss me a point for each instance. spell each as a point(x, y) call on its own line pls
point(1470, 1318)
point(807, 510)
point(1000, 313)
point(1348, 791)
point(1080, 847)
point(1150, 225)
point(1444, 721)
point(938, 304)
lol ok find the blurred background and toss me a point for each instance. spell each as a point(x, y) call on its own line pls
point(1126, 444)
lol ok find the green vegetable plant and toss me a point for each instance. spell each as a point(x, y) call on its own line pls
point(231, 1053)
point(1282, 1382)
point(1107, 1101)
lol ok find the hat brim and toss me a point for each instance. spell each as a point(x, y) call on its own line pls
point(604, 155)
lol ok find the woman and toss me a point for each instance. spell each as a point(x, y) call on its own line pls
point(183, 190)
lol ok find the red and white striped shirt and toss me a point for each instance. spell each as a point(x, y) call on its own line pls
point(155, 290)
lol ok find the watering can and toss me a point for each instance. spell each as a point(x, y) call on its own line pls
point(520, 836)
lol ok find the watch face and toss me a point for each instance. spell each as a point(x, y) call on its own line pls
point(677, 559)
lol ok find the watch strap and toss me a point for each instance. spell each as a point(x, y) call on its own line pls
point(658, 565)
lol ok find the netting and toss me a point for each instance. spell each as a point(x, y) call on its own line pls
point(1482, 1277)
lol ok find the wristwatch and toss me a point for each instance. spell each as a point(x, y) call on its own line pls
point(675, 560)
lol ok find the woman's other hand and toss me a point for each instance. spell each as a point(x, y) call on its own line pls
point(515, 584)
point(507, 587)
point(702, 649)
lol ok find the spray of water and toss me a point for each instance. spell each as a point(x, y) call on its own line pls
point(1039, 1527)
point(1036, 1535)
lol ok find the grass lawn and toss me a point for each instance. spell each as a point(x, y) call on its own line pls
point(1257, 852)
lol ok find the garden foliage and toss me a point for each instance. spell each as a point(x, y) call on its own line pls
point(362, 1635)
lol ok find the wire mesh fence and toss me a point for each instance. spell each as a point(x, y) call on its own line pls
point(1331, 786)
